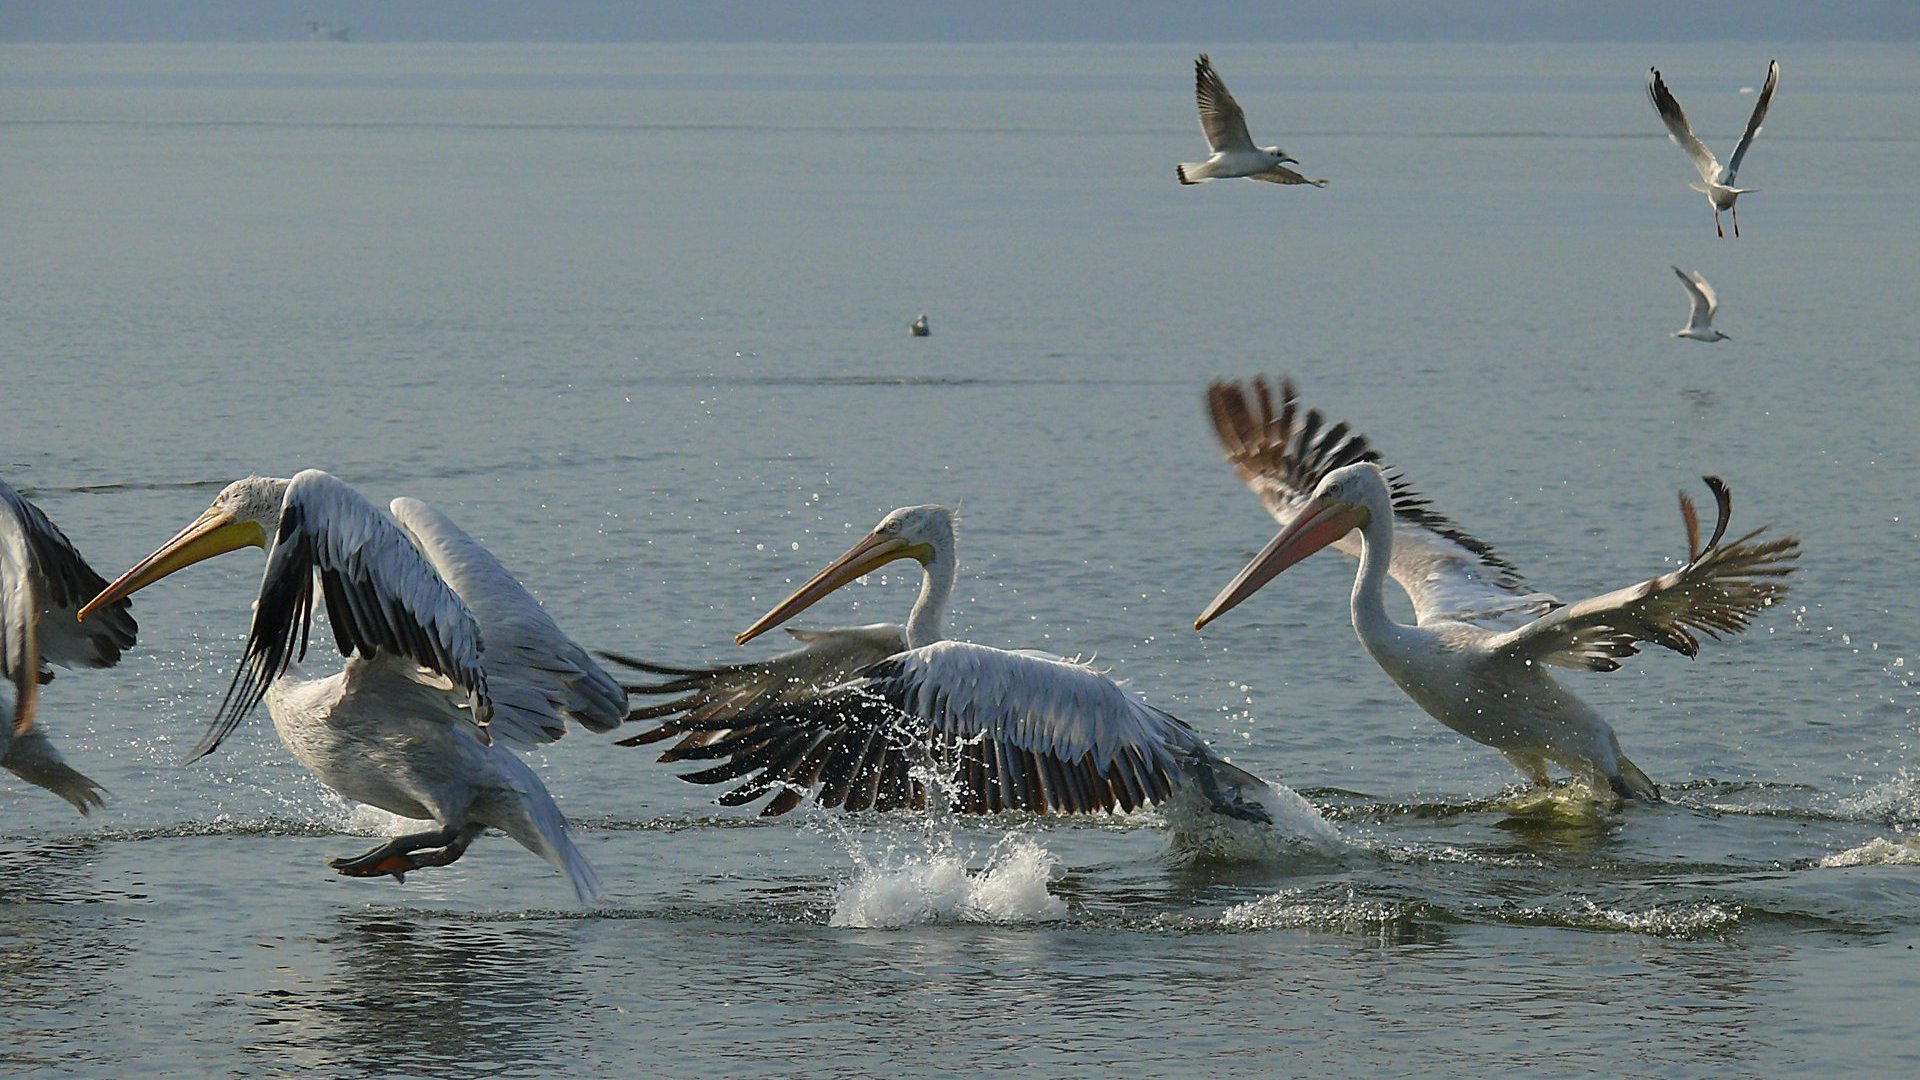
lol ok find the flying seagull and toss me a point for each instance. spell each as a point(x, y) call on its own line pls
point(1705, 302)
point(1233, 151)
point(1717, 180)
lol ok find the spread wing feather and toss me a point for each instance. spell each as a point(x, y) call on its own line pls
point(1753, 122)
point(1717, 592)
point(1283, 451)
point(1013, 730)
point(1678, 129)
point(537, 676)
point(44, 582)
point(1221, 119)
point(1280, 174)
point(382, 596)
point(707, 698)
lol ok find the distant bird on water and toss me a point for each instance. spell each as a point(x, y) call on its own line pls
point(1717, 180)
point(43, 582)
point(1705, 302)
point(1226, 129)
point(919, 327)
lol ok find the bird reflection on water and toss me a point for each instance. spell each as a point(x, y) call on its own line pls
point(427, 998)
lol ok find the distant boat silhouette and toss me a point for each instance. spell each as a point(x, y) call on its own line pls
point(919, 327)
point(325, 31)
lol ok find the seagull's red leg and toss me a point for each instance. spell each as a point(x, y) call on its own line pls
point(1717, 230)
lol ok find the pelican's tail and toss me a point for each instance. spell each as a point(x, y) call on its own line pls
point(540, 827)
point(1230, 790)
point(1631, 783)
point(32, 758)
point(1192, 172)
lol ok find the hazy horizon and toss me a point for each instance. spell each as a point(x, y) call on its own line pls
point(584, 21)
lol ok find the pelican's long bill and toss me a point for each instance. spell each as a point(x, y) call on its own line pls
point(215, 532)
point(863, 558)
point(1320, 523)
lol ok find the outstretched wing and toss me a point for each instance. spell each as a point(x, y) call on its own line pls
point(1220, 116)
point(1678, 129)
point(64, 584)
point(1718, 591)
point(1283, 452)
point(382, 596)
point(1754, 121)
point(1280, 174)
point(43, 584)
point(19, 611)
point(537, 676)
point(1702, 298)
point(1009, 731)
point(705, 700)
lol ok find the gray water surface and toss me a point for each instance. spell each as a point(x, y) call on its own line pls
point(636, 316)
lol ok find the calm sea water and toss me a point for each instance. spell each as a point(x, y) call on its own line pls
point(637, 317)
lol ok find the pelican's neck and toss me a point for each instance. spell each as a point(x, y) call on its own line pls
point(926, 624)
point(1369, 602)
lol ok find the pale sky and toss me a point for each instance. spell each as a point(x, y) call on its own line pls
point(958, 20)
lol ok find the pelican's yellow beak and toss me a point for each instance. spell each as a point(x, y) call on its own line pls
point(870, 554)
point(215, 532)
point(1320, 523)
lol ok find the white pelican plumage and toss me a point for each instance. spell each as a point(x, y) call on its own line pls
point(43, 582)
point(1704, 302)
point(446, 653)
point(1233, 152)
point(852, 713)
point(1716, 180)
point(1476, 658)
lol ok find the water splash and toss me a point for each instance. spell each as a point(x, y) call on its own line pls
point(358, 819)
point(1878, 851)
point(1293, 909)
point(913, 885)
point(1893, 801)
point(1682, 920)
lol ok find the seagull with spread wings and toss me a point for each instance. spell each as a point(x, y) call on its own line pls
point(1478, 654)
point(1700, 316)
point(1232, 144)
point(1717, 180)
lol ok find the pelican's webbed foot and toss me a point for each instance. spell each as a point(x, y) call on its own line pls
point(396, 857)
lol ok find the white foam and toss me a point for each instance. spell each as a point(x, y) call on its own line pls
point(1685, 919)
point(934, 884)
point(1293, 910)
point(1878, 851)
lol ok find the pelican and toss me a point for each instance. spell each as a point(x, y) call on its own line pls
point(445, 651)
point(43, 581)
point(1700, 316)
point(1233, 152)
point(1716, 180)
point(1476, 658)
point(852, 712)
